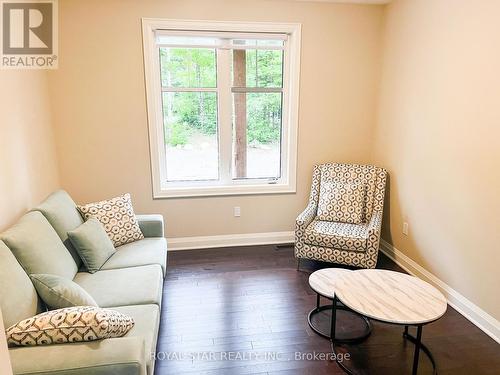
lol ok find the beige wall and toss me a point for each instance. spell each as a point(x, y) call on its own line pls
point(27, 153)
point(28, 168)
point(438, 134)
point(100, 107)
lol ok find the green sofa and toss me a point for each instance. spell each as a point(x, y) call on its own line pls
point(131, 282)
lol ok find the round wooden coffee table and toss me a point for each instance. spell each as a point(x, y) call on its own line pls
point(390, 297)
point(352, 326)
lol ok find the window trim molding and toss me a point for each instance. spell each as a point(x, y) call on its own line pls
point(154, 113)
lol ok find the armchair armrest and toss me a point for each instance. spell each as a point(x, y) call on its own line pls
point(124, 355)
point(374, 229)
point(302, 222)
point(306, 217)
point(373, 240)
point(375, 223)
point(151, 225)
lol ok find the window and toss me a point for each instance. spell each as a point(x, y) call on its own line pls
point(222, 106)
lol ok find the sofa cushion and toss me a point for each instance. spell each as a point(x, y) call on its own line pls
point(61, 212)
point(92, 243)
point(125, 286)
point(117, 216)
point(147, 322)
point(139, 253)
point(58, 292)
point(337, 235)
point(123, 355)
point(71, 324)
point(18, 298)
point(38, 248)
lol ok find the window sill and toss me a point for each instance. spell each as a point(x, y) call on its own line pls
point(215, 191)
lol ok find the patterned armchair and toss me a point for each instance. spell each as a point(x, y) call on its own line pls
point(337, 241)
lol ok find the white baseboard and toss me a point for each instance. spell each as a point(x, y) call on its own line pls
point(228, 240)
point(469, 310)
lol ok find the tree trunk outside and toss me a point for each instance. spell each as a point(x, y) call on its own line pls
point(240, 115)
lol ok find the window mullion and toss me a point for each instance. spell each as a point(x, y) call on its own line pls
point(225, 114)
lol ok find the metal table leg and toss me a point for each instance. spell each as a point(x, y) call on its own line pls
point(419, 347)
point(417, 341)
point(334, 320)
point(417, 350)
point(327, 333)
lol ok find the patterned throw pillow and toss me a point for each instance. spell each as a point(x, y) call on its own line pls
point(341, 202)
point(118, 218)
point(72, 324)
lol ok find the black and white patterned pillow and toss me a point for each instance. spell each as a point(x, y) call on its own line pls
point(341, 202)
point(118, 218)
point(71, 324)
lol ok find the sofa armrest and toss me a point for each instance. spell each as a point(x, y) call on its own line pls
point(151, 225)
point(125, 355)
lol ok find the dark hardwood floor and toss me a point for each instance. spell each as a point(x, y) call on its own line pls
point(244, 311)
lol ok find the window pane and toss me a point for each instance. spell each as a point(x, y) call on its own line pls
point(188, 67)
point(190, 128)
point(263, 68)
point(256, 135)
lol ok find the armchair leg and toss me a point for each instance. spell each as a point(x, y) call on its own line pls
point(298, 263)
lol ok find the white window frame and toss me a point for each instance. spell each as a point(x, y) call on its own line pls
point(291, 71)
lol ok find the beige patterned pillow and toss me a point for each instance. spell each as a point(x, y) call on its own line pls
point(118, 218)
point(341, 202)
point(71, 324)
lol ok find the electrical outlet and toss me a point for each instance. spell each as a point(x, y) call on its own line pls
point(237, 211)
point(405, 228)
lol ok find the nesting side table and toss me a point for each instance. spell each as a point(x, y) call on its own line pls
point(389, 297)
point(320, 319)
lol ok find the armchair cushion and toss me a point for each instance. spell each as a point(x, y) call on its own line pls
point(337, 235)
point(342, 202)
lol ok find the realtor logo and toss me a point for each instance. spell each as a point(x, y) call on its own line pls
point(29, 34)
